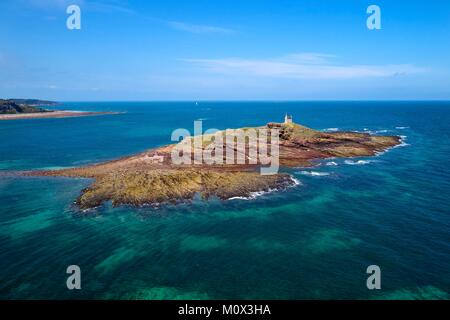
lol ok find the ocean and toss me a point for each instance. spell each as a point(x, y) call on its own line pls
point(313, 241)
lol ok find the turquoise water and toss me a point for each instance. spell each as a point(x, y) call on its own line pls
point(313, 241)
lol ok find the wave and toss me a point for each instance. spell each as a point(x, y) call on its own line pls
point(331, 129)
point(314, 173)
point(331, 163)
point(401, 128)
point(402, 144)
point(254, 195)
point(369, 131)
point(296, 181)
point(257, 194)
point(358, 162)
point(364, 130)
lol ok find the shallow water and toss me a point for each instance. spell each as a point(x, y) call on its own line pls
point(312, 241)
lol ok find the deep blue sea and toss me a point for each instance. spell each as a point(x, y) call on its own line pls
point(313, 241)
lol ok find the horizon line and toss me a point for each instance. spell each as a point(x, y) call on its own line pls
point(244, 100)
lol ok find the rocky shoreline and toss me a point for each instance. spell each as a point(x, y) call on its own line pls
point(151, 178)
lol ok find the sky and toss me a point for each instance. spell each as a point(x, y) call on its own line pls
point(139, 50)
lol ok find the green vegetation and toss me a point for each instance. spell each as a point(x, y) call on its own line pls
point(136, 187)
point(34, 102)
point(14, 106)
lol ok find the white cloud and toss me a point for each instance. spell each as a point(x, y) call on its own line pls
point(309, 58)
point(196, 28)
point(122, 6)
point(302, 66)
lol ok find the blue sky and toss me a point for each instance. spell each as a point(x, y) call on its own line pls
point(225, 50)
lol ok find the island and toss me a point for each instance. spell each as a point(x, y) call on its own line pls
point(151, 177)
point(13, 109)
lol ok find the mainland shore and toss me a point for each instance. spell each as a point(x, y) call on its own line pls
point(16, 109)
point(52, 114)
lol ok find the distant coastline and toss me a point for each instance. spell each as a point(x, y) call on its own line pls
point(15, 109)
point(32, 102)
point(53, 114)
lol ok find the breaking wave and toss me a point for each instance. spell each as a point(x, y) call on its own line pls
point(314, 173)
point(402, 144)
point(331, 129)
point(296, 181)
point(257, 194)
point(358, 162)
point(366, 130)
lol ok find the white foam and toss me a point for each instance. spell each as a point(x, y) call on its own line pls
point(331, 163)
point(93, 209)
point(358, 162)
point(257, 194)
point(331, 129)
point(238, 198)
point(296, 181)
point(253, 195)
point(365, 130)
point(402, 144)
point(314, 173)
point(374, 132)
point(369, 131)
point(401, 128)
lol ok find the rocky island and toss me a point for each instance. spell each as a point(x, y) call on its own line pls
point(13, 109)
point(151, 178)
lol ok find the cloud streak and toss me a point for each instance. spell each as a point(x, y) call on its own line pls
point(122, 6)
point(111, 6)
point(52, 4)
point(104, 6)
point(301, 66)
point(197, 28)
